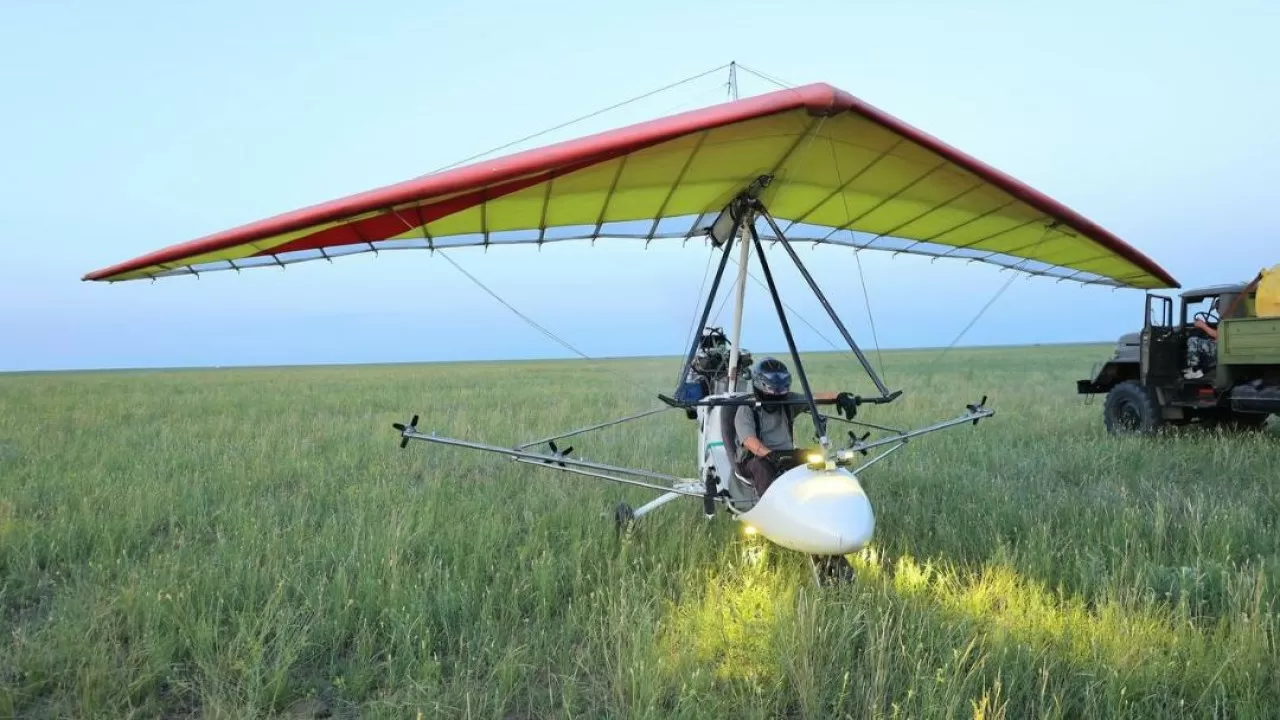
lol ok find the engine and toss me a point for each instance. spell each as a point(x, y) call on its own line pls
point(709, 372)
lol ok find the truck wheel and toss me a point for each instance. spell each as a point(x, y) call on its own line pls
point(1131, 409)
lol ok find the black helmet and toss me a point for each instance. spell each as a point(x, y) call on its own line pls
point(770, 378)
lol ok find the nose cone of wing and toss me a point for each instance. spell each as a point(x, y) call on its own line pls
point(821, 512)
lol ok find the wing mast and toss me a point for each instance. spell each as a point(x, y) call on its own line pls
point(743, 256)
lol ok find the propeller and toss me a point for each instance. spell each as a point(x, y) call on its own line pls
point(558, 453)
point(977, 408)
point(411, 427)
point(854, 440)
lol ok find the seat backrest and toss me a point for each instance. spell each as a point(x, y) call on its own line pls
point(729, 434)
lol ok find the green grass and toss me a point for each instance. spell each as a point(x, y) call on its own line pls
point(248, 542)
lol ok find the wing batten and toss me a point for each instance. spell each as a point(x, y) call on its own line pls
point(885, 200)
point(700, 140)
point(842, 189)
point(930, 211)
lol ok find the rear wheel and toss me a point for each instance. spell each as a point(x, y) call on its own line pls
point(831, 569)
point(1131, 409)
point(623, 516)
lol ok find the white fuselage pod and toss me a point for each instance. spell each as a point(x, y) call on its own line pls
point(821, 512)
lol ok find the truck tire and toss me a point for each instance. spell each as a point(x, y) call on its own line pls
point(1131, 409)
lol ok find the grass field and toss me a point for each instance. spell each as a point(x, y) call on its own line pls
point(238, 543)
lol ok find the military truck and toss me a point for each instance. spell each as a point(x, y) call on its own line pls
point(1156, 376)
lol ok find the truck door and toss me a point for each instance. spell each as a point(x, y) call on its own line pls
point(1162, 343)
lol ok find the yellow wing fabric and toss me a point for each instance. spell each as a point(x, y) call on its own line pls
point(844, 173)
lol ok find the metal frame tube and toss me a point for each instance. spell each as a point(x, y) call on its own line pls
point(879, 457)
point(904, 437)
point(819, 422)
point(656, 503)
point(729, 402)
point(541, 457)
point(744, 257)
point(603, 476)
point(813, 285)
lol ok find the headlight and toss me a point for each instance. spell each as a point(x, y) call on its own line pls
point(816, 461)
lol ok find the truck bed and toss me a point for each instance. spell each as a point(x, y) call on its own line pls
point(1249, 341)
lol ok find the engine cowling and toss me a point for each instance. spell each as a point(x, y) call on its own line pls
point(821, 512)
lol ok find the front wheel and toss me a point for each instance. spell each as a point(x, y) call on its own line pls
point(1131, 409)
point(831, 569)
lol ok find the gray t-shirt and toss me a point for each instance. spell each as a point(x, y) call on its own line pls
point(775, 425)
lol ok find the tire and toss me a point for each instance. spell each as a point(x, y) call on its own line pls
point(831, 570)
point(1131, 409)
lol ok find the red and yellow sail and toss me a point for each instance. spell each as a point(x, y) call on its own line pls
point(845, 173)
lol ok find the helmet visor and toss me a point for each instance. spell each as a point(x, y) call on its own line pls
point(777, 382)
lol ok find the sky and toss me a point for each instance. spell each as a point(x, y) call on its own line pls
point(130, 126)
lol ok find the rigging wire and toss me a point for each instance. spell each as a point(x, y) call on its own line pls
point(693, 321)
point(768, 78)
point(857, 256)
point(588, 116)
point(547, 333)
point(790, 309)
point(510, 307)
point(866, 301)
point(1013, 275)
point(544, 331)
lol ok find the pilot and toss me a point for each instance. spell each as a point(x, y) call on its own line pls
point(766, 446)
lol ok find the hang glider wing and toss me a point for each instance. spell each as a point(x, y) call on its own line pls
point(845, 173)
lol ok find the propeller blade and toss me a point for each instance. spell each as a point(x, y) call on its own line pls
point(411, 427)
point(854, 440)
point(981, 405)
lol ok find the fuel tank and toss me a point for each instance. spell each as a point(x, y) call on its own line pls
point(821, 512)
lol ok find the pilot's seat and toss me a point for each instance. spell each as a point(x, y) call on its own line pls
point(740, 487)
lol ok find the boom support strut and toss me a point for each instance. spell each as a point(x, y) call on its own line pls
point(559, 460)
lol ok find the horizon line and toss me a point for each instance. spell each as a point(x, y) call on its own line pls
point(519, 359)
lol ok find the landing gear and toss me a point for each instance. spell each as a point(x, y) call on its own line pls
point(623, 516)
point(831, 569)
